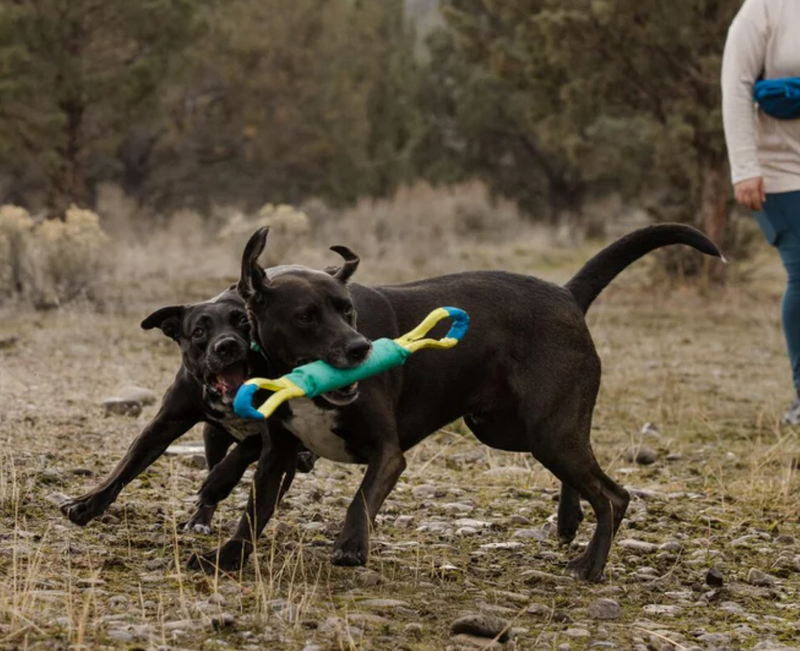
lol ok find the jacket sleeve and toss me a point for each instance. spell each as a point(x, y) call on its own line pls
point(742, 64)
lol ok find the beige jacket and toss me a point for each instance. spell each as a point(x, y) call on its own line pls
point(763, 38)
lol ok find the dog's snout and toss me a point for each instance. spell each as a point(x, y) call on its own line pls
point(357, 350)
point(226, 348)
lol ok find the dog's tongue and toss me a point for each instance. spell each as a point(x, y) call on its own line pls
point(231, 378)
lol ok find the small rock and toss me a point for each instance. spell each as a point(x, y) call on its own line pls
point(198, 461)
point(531, 534)
point(457, 507)
point(58, 498)
point(646, 456)
point(369, 578)
point(481, 625)
point(404, 521)
point(671, 546)
point(714, 578)
point(108, 518)
point(785, 539)
point(604, 609)
point(136, 394)
point(474, 524)
point(758, 578)
point(577, 632)
point(120, 635)
point(426, 491)
point(216, 599)
point(180, 625)
point(662, 609)
point(649, 429)
point(519, 519)
point(121, 407)
point(225, 620)
point(502, 545)
point(466, 531)
point(413, 630)
point(638, 545)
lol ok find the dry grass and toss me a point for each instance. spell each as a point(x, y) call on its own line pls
point(707, 367)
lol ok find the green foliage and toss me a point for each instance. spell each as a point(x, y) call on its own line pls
point(296, 99)
point(74, 74)
point(553, 100)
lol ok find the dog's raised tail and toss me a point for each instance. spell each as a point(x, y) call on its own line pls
point(600, 270)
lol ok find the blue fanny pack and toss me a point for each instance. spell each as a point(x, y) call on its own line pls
point(779, 98)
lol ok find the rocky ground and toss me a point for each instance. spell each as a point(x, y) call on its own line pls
point(464, 554)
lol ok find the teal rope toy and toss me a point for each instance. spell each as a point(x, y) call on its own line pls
point(316, 378)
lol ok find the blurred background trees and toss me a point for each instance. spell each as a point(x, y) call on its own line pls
point(553, 103)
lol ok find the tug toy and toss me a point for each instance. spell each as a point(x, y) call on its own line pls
point(316, 378)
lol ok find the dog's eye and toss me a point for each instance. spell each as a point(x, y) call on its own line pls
point(197, 333)
point(305, 317)
point(244, 322)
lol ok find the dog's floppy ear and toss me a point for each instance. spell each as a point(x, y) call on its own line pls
point(349, 267)
point(253, 279)
point(168, 319)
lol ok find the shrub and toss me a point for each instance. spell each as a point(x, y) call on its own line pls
point(52, 262)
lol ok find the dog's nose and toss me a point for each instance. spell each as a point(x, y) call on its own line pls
point(226, 348)
point(357, 350)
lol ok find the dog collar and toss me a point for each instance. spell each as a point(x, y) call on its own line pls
point(258, 349)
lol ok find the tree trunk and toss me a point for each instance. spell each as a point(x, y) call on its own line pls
point(69, 183)
point(715, 210)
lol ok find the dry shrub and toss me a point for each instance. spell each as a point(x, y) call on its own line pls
point(287, 225)
point(423, 230)
point(15, 235)
point(51, 262)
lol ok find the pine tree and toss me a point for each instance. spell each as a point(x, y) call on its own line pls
point(75, 74)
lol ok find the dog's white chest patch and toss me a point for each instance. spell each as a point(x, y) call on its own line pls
point(240, 428)
point(314, 427)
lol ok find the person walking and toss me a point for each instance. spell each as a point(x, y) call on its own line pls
point(764, 151)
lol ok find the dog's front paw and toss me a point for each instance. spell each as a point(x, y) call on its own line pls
point(200, 522)
point(228, 558)
point(585, 568)
point(351, 552)
point(306, 461)
point(81, 510)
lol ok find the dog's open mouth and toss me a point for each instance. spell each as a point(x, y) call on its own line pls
point(342, 397)
point(227, 382)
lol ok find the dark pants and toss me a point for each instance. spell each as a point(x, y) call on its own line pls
point(780, 222)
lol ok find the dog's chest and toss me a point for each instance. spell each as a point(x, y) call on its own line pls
point(315, 428)
point(239, 428)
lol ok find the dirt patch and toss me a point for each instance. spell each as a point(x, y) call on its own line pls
point(468, 530)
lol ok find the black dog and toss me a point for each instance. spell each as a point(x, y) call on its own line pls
point(214, 338)
point(525, 379)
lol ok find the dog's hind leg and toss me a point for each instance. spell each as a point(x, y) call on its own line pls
point(570, 514)
point(506, 431)
point(569, 457)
